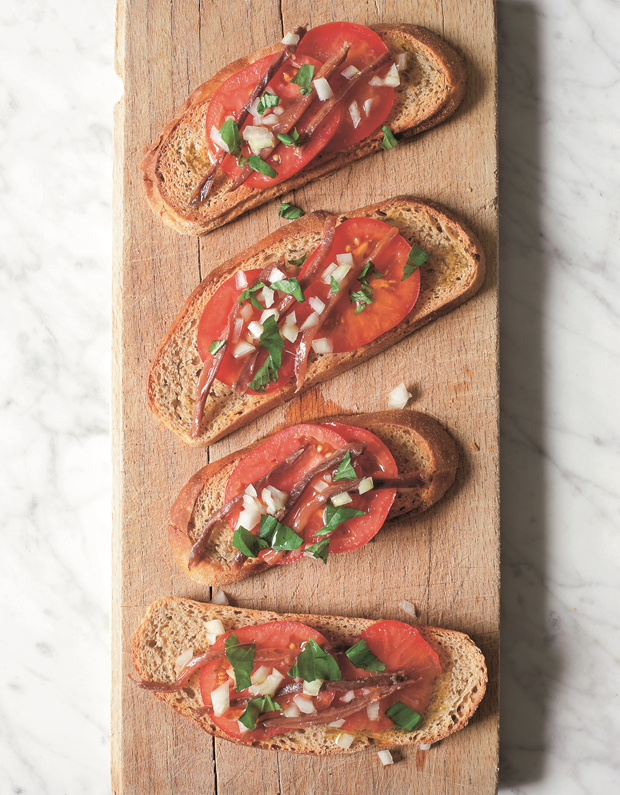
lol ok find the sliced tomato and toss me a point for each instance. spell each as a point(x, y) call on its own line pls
point(233, 94)
point(365, 47)
point(401, 648)
point(279, 644)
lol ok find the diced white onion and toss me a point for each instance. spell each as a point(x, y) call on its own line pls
point(305, 704)
point(220, 698)
point(242, 349)
point(348, 696)
point(290, 332)
point(248, 518)
point(218, 140)
point(246, 311)
point(257, 120)
point(323, 345)
point(425, 746)
point(344, 259)
point(385, 757)
point(269, 685)
point(277, 110)
point(376, 81)
point(316, 303)
point(267, 294)
point(367, 484)
point(311, 321)
point(219, 598)
point(408, 607)
point(276, 275)
point(341, 499)
point(269, 313)
point(345, 740)
point(367, 106)
point(241, 281)
point(328, 272)
point(323, 89)
point(243, 729)
point(251, 491)
point(238, 328)
point(258, 138)
point(255, 329)
point(260, 674)
point(337, 723)
point(291, 711)
point(372, 710)
point(271, 118)
point(354, 112)
point(402, 61)
point(184, 658)
point(291, 319)
point(327, 476)
point(211, 638)
point(341, 271)
point(251, 503)
point(291, 38)
point(254, 107)
point(215, 627)
point(312, 688)
point(320, 486)
point(350, 72)
point(279, 497)
point(392, 78)
point(399, 397)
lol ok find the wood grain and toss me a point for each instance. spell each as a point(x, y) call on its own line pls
point(446, 561)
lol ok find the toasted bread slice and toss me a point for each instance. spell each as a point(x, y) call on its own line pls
point(432, 87)
point(453, 273)
point(417, 442)
point(173, 625)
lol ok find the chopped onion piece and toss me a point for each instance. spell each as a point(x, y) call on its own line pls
point(328, 272)
point(312, 688)
point(424, 746)
point(290, 332)
point(408, 607)
point(341, 271)
point(246, 311)
point(291, 38)
point(348, 696)
point(238, 328)
point(241, 281)
point(251, 491)
point(385, 757)
point(243, 729)
point(337, 723)
point(305, 704)
point(276, 275)
point(367, 106)
point(354, 112)
point(399, 397)
point(251, 503)
point(367, 484)
point(269, 313)
point(260, 674)
point(320, 486)
point(323, 345)
point(269, 686)
point(345, 740)
point(242, 349)
point(184, 658)
point(392, 79)
point(267, 295)
point(316, 303)
point(255, 329)
point(376, 81)
point(402, 61)
point(220, 598)
point(277, 110)
point(279, 497)
point(215, 627)
point(344, 259)
point(270, 119)
point(248, 518)
point(341, 499)
point(220, 698)
point(323, 89)
point(254, 107)
point(258, 138)
point(291, 319)
point(218, 140)
point(350, 72)
point(292, 711)
point(311, 321)
point(372, 710)
point(211, 638)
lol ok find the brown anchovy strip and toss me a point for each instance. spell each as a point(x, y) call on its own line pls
point(199, 547)
point(202, 191)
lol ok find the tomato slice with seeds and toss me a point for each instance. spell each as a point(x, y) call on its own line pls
point(280, 643)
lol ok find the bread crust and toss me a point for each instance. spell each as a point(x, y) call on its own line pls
point(167, 186)
point(453, 273)
point(173, 624)
point(418, 443)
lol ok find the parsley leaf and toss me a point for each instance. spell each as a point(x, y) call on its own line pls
point(389, 141)
point(268, 100)
point(404, 717)
point(277, 535)
point(320, 550)
point(256, 707)
point(289, 139)
point(290, 286)
point(231, 136)
point(303, 78)
point(255, 162)
point(216, 346)
point(345, 471)
point(314, 663)
point(335, 516)
point(361, 657)
point(272, 340)
point(415, 258)
point(290, 211)
point(248, 295)
point(241, 657)
point(247, 543)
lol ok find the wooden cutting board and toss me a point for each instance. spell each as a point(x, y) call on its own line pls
point(445, 561)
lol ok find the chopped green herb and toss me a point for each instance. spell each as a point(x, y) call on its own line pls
point(335, 287)
point(241, 161)
point(231, 136)
point(290, 286)
point(320, 550)
point(289, 139)
point(248, 295)
point(216, 346)
point(361, 657)
point(404, 717)
point(256, 707)
point(247, 543)
point(241, 657)
point(290, 211)
point(368, 272)
point(415, 258)
point(345, 471)
point(277, 535)
point(303, 78)
point(335, 516)
point(361, 298)
point(389, 141)
point(272, 340)
point(259, 165)
point(314, 663)
point(299, 262)
point(268, 100)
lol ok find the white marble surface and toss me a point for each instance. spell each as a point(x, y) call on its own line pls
point(560, 128)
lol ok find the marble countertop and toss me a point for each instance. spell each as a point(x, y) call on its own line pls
point(560, 310)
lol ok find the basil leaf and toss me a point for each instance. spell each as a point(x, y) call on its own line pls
point(335, 287)
point(289, 139)
point(256, 707)
point(290, 211)
point(389, 141)
point(314, 663)
point(265, 375)
point(290, 286)
point(345, 471)
point(361, 657)
point(248, 543)
point(216, 346)
point(259, 165)
point(272, 340)
point(368, 272)
point(335, 516)
point(278, 535)
point(299, 262)
point(241, 161)
point(320, 550)
point(241, 657)
point(231, 136)
point(404, 717)
point(248, 295)
point(415, 258)
point(304, 77)
point(268, 100)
